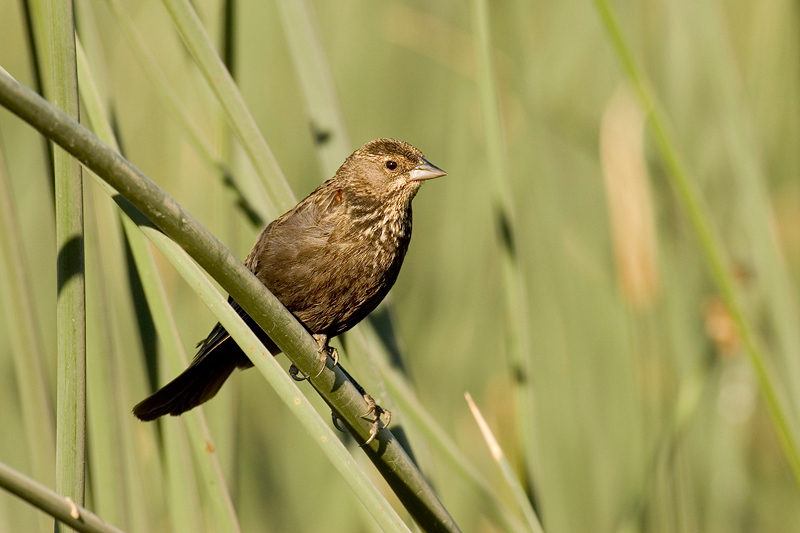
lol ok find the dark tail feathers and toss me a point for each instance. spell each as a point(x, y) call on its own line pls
point(197, 384)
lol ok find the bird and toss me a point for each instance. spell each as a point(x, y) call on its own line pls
point(330, 260)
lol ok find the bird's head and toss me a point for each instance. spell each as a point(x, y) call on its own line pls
point(388, 171)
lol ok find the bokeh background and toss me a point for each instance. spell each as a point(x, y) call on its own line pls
point(635, 408)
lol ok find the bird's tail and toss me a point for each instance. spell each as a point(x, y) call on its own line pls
point(197, 384)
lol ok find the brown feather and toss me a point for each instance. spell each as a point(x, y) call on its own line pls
point(330, 260)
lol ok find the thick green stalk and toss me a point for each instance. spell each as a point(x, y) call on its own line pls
point(63, 509)
point(710, 243)
point(385, 452)
point(70, 305)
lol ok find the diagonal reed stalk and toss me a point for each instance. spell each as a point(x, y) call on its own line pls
point(507, 470)
point(224, 87)
point(316, 81)
point(208, 465)
point(65, 510)
point(385, 452)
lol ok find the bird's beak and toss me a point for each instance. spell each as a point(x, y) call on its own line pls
point(425, 171)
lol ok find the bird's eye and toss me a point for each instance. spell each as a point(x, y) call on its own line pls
point(391, 165)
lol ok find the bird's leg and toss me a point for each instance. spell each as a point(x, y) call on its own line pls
point(374, 410)
point(376, 422)
point(324, 351)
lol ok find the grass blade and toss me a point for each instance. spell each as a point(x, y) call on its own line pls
point(331, 140)
point(70, 306)
point(508, 472)
point(385, 452)
point(515, 293)
point(201, 441)
point(224, 87)
point(710, 243)
point(448, 449)
point(26, 347)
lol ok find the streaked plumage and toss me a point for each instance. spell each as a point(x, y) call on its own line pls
point(330, 260)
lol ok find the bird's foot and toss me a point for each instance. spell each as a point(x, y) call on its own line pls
point(324, 351)
point(335, 418)
point(296, 374)
point(375, 411)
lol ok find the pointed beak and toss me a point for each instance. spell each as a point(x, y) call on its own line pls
point(425, 171)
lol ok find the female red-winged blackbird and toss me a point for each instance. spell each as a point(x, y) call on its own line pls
point(330, 260)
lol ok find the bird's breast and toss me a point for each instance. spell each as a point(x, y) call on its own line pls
point(355, 271)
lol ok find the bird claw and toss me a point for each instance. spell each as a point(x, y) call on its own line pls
point(377, 411)
point(335, 418)
point(324, 351)
point(374, 411)
point(334, 353)
point(296, 374)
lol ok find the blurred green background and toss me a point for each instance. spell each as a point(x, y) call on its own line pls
point(644, 413)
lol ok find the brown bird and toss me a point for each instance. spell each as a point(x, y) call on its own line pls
point(330, 260)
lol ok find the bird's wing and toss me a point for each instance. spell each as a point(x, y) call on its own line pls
point(289, 254)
